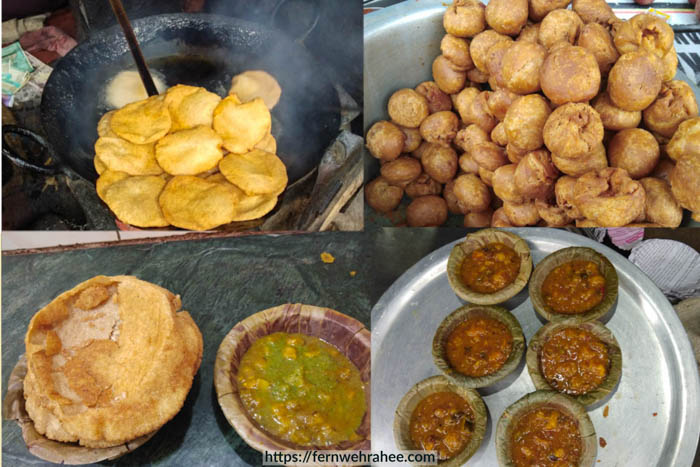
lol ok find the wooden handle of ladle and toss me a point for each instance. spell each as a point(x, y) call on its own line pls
point(120, 13)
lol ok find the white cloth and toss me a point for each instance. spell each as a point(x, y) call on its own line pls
point(673, 266)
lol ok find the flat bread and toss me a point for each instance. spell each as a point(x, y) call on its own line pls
point(108, 361)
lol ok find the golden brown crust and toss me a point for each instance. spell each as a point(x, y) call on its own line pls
point(597, 40)
point(609, 197)
point(674, 104)
point(385, 140)
point(382, 196)
point(464, 18)
point(525, 120)
point(507, 16)
point(570, 74)
point(559, 25)
point(634, 150)
point(634, 81)
point(573, 130)
point(80, 394)
point(408, 108)
point(521, 67)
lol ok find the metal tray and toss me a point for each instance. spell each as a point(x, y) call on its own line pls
point(653, 417)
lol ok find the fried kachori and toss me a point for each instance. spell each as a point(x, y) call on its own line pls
point(109, 361)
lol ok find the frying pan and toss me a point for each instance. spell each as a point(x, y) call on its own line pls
point(195, 49)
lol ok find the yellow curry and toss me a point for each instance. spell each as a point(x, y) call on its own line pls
point(302, 390)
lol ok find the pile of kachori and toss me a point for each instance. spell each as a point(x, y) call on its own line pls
point(190, 159)
point(542, 115)
point(109, 361)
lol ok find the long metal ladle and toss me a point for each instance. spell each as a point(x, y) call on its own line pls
point(123, 20)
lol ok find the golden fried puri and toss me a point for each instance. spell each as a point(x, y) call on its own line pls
point(573, 130)
point(381, 196)
point(634, 150)
point(246, 207)
point(106, 179)
point(142, 122)
point(614, 118)
point(242, 126)
point(119, 154)
point(256, 172)
point(521, 65)
point(661, 207)
point(189, 152)
point(540, 8)
point(507, 16)
point(104, 125)
point(634, 81)
point(401, 171)
point(464, 18)
point(268, 144)
point(597, 40)
point(109, 361)
point(408, 108)
point(254, 84)
point(525, 121)
point(437, 100)
point(686, 140)
point(685, 182)
point(609, 197)
point(190, 107)
point(674, 104)
point(197, 204)
point(385, 140)
point(559, 25)
point(134, 200)
point(643, 31)
point(570, 74)
point(99, 165)
point(449, 77)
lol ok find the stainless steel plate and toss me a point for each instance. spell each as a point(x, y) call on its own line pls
point(653, 419)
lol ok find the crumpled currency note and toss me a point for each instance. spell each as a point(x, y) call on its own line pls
point(16, 69)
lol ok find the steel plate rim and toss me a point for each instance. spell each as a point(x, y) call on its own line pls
point(686, 439)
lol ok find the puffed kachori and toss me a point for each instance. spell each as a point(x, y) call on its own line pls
point(525, 121)
point(507, 16)
point(142, 122)
point(634, 81)
point(464, 18)
point(570, 74)
point(644, 31)
point(573, 130)
point(674, 104)
point(634, 150)
point(596, 159)
point(540, 8)
point(241, 125)
point(189, 152)
point(686, 140)
point(254, 84)
point(385, 140)
point(609, 197)
point(612, 117)
point(685, 182)
point(194, 203)
point(661, 207)
point(109, 361)
point(559, 25)
point(408, 108)
point(520, 67)
point(597, 39)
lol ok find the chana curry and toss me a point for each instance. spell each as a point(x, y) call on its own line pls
point(479, 346)
point(546, 437)
point(574, 287)
point(442, 422)
point(301, 389)
point(490, 268)
point(574, 361)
